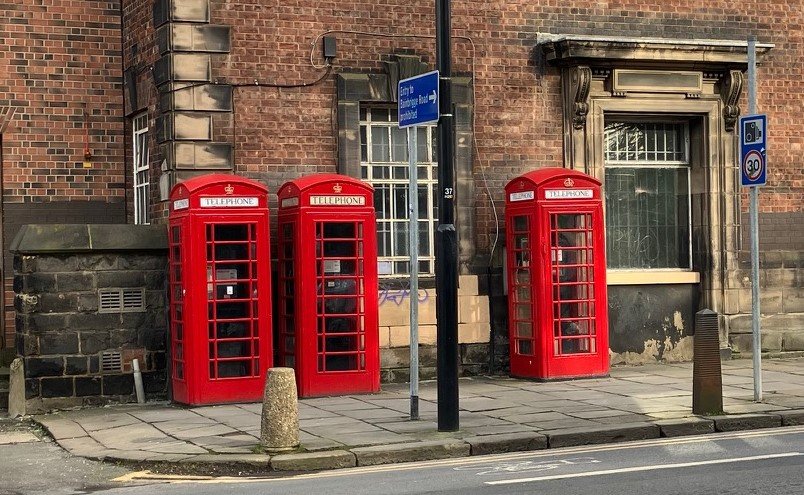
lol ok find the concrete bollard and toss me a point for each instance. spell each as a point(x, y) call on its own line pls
point(280, 411)
point(16, 389)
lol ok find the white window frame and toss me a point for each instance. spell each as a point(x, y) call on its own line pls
point(141, 169)
point(684, 163)
point(427, 178)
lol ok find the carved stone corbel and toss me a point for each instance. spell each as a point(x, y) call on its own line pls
point(580, 84)
point(576, 84)
point(731, 85)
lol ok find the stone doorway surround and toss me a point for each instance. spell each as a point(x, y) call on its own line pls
point(701, 80)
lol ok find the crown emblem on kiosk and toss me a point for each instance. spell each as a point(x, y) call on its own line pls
point(337, 188)
point(229, 189)
point(568, 182)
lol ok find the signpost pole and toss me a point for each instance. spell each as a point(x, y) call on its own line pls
point(754, 216)
point(418, 105)
point(446, 261)
point(413, 249)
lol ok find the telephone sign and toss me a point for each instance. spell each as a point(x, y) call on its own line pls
point(753, 140)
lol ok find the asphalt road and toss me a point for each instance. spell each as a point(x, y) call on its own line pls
point(31, 465)
point(743, 463)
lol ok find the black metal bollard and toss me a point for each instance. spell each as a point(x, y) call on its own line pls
point(707, 381)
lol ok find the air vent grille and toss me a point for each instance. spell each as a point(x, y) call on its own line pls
point(127, 300)
point(111, 362)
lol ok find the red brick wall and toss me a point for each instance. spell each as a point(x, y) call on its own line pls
point(139, 53)
point(60, 62)
point(283, 133)
point(60, 70)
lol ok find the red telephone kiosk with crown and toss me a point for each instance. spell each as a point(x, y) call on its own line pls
point(328, 310)
point(556, 273)
point(220, 290)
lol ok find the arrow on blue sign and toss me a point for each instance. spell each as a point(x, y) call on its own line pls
point(418, 100)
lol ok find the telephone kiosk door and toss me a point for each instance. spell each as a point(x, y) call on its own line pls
point(556, 272)
point(220, 290)
point(328, 310)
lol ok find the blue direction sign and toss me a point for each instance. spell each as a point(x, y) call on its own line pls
point(418, 100)
point(753, 143)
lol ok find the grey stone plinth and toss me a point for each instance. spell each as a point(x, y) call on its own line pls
point(789, 418)
point(570, 437)
point(510, 442)
point(746, 422)
point(332, 459)
point(16, 391)
point(280, 411)
point(65, 238)
point(408, 452)
point(685, 426)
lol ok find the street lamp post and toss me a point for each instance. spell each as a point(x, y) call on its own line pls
point(446, 239)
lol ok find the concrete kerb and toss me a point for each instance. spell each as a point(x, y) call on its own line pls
point(792, 418)
point(256, 464)
point(734, 422)
point(411, 451)
point(572, 437)
point(508, 442)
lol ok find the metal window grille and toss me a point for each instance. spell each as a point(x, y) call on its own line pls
point(127, 300)
point(141, 169)
point(648, 211)
point(384, 164)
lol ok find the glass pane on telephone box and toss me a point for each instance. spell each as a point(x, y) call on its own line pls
point(571, 244)
point(231, 285)
point(338, 269)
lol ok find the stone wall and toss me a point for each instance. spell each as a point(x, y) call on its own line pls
point(78, 346)
point(781, 279)
point(473, 331)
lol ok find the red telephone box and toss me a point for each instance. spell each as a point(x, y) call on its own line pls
point(328, 311)
point(557, 304)
point(220, 290)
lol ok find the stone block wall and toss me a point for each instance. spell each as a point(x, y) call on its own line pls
point(76, 350)
point(473, 331)
point(781, 279)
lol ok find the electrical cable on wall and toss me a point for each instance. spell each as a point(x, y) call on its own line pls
point(475, 149)
point(328, 67)
point(254, 84)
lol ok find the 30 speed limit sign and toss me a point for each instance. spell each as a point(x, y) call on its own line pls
point(753, 139)
point(753, 166)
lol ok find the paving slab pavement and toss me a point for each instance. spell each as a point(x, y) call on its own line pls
point(498, 414)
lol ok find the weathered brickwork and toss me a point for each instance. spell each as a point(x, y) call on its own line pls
point(61, 69)
point(285, 120)
point(60, 75)
point(138, 91)
point(280, 133)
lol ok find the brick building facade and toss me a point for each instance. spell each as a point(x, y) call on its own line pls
point(242, 86)
point(60, 97)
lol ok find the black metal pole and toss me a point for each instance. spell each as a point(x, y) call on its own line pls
point(446, 256)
